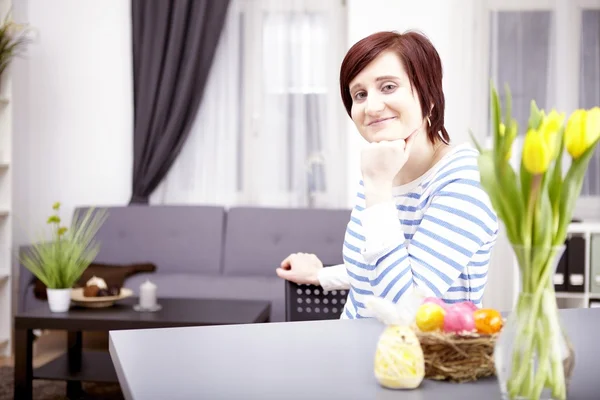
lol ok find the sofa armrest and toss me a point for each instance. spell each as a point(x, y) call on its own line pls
point(26, 282)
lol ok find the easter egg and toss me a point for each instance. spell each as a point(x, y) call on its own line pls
point(435, 300)
point(430, 317)
point(459, 319)
point(488, 321)
point(399, 361)
point(467, 304)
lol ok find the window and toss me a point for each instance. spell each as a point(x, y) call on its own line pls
point(270, 129)
point(520, 52)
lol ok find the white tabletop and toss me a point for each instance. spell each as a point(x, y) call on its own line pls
point(300, 360)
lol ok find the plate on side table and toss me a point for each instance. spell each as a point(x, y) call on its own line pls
point(79, 299)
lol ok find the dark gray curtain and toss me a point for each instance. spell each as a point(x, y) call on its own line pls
point(174, 43)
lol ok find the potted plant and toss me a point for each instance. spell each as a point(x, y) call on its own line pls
point(60, 262)
point(13, 38)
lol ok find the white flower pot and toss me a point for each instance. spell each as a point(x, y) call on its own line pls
point(59, 300)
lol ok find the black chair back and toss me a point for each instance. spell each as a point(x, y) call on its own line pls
point(312, 303)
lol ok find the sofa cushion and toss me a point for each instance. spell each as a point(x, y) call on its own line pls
point(174, 238)
point(185, 285)
point(258, 239)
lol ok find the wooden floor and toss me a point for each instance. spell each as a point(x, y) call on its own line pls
point(52, 344)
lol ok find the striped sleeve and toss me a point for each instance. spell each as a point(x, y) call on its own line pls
point(458, 222)
point(334, 277)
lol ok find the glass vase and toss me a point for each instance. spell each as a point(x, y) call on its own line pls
point(533, 355)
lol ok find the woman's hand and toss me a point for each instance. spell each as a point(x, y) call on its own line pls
point(381, 161)
point(301, 268)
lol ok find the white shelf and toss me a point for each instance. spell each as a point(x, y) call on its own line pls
point(584, 227)
point(569, 295)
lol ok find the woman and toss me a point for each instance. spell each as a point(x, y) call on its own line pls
point(421, 219)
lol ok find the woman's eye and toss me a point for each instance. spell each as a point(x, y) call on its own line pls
point(359, 95)
point(389, 87)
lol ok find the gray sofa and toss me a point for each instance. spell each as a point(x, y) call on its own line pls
point(211, 252)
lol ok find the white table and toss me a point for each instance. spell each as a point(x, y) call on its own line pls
point(300, 360)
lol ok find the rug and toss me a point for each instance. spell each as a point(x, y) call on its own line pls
point(56, 390)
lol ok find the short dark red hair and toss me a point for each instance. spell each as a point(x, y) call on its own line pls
point(421, 62)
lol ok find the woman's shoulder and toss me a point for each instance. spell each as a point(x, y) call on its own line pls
point(459, 155)
point(456, 186)
point(460, 163)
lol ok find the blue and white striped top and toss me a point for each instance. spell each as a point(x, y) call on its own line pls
point(437, 234)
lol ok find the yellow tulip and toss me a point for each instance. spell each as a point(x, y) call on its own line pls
point(550, 127)
point(583, 128)
point(536, 152)
point(592, 123)
point(553, 122)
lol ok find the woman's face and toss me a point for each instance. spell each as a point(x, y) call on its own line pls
point(383, 105)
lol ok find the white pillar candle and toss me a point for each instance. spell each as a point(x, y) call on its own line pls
point(147, 295)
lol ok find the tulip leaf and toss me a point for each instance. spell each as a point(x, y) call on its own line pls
point(491, 185)
point(475, 142)
point(535, 116)
point(555, 184)
point(496, 121)
point(507, 105)
point(542, 224)
point(511, 133)
point(509, 186)
point(570, 191)
point(542, 228)
point(526, 179)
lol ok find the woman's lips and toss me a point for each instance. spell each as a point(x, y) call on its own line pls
point(380, 121)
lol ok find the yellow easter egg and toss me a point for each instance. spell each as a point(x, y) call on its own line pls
point(430, 317)
point(399, 361)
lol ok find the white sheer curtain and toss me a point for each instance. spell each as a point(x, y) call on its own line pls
point(207, 171)
point(268, 130)
point(298, 110)
point(295, 88)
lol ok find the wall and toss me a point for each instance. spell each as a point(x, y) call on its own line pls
point(73, 109)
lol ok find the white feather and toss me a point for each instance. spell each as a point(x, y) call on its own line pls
point(384, 310)
point(401, 313)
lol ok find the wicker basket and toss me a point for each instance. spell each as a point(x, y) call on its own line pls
point(457, 358)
